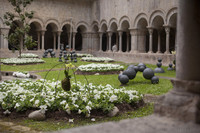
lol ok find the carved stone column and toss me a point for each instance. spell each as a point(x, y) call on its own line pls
point(183, 101)
point(54, 40)
point(117, 41)
point(58, 34)
point(167, 30)
point(110, 41)
point(74, 35)
point(5, 32)
point(100, 41)
point(38, 39)
point(43, 33)
point(134, 36)
point(127, 40)
point(159, 41)
point(120, 40)
point(150, 40)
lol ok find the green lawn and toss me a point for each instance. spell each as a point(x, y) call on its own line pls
point(139, 83)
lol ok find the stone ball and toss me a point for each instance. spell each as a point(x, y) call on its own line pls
point(141, 64)
point(119, 76)
point(124, 79)
point(60, 54)
point(170, 65)
point(131, 66)
point(159, 64)
point(154, 80)
point(131, 73)
point(148, 73)
point(141, 68)
point(136, 68)
point(159, 70)
point(159, 60)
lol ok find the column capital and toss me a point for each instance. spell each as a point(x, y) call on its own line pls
point(133, 32)
point(167, 29)
point(74, 33)
point(110, 33)
point(5, 31)
point(150, 29)
point(59, 33)
point(42, 32)
point(120, 32)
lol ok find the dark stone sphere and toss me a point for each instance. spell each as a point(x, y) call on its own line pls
point(131, 66)
point(170, 65)
point(75, 60)
point(159, 70)
point(154, 80)
point(131, 73)
point(148, 73)
point(119, 76)
point(141, 64)
point(159, 64)
point(141, 68)
point(124, 79)
point(136, 68)
point(159, 60)
point(50, 50)
point(60, 54)
point(65, 52)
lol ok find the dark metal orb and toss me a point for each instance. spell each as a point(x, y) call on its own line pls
point(124, 79)
point(141, 68)
point(159, 70)
point(159, 60)
point(131, 73)
point(141, 64)
point(131, 66)
point(148, 73)
point(154, 80)
point(159, 64)
point(170, 68)
point(119, 76)
point(136, 68)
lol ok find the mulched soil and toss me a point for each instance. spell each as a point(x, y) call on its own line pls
point(62, 115)
point(78, 72)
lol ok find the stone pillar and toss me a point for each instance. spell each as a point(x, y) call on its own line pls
point(58, 34)
point(159, 41)
point(167, 30)
point(38, 39)
point(42, 33)
point(134, 47)
point(5, 32)
point(117, 41)
point(54, 40)
point(141, 40)
point(69, 40)
point(100, 41)
point(120, 41)
point(107, 44)
point(110, 41)
point(183, 101)
point(1, 40)
point(175, 40)
point(74, 35)
point(150, 40)
point(127, 40)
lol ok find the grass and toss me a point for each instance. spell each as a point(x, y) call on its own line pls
point(139, 83)
point(52, 125)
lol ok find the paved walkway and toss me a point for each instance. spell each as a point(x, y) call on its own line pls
point(149, 124)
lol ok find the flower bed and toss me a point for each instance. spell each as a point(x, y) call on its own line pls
point(84, 55)
point(21, 95)
point(29, 55)
point(22, 61)
point(100, 67)
point(21, 74)
point(97, 59)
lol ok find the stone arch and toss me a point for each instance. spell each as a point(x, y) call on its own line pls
point(95, 36)
point(122, 20)
point(138, 18)
point(156, 13)
point(68, 22)
point(39, 23)
point(103, 26)
point(112, 21)
point(170, 14)
point(83, 26)
point(54, 23)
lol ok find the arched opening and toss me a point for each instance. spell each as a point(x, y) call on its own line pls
point(159, 35)
point(64, 37)
point(104, 37)
point(114, 38)
point(125, 36)
point(50, 35)
point(13, 46)
point(143, 36)
point(79, 40)
point(173, 25)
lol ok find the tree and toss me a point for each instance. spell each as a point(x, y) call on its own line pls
point(19, 37)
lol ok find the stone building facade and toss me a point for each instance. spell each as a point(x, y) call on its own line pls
point(142, 30)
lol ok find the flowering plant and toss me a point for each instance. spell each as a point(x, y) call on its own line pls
point(21, 95)
point(21, 60)
point(28, 55)
point(84, 55)
point(97, 59)
point(100, 67)
point(21, 74)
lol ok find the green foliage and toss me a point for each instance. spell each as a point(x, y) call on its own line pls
point(19, 36)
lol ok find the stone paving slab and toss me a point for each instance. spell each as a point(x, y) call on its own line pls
point(149, 124)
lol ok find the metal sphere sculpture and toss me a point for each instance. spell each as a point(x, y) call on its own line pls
point(154, 80)
point(124, 79)
point(159, 68)
point(131, 73)
point(170, 68)
point(148, 73)
point(141, 67)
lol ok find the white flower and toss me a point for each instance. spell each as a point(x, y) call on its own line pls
point(113, 98)
point(43, 108)
point(68, 111)
point(17, 105)
point(93, 119)
point(79, 111)
point(66, 106)
point(37, 102)
point(88, 109)
point(85, 99)
point(63, 102)
point(71, 120)
point(7, 112)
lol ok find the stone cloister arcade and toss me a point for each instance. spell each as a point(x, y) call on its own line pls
point(146, 33)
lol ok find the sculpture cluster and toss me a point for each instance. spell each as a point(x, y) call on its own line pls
point(68, 56)
point(131, 71)
point(159, 68)
point(52, 53)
